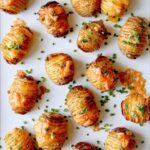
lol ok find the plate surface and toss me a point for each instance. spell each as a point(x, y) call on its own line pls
point(44, 44)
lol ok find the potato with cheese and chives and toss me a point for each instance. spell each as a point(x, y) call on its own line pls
point(86, 8)
point(19, 139)
point(51, 131)
point(82, 106)
point(133, 37)
point(102, 74)
point(54, 17)
point(114, 8)
point(120, 139)
point(16, 42)
point(136, 108)
point(23, 93)
point(13, 6)
point(84, 146)
point(91, 36)
point(60, 68)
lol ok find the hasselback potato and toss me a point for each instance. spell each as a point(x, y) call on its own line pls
point(51, 131)
point(54, 17)
point(16, 42)
point(23, 93)
point(13, 6)
point(102, 74)
point(60, 68)
point(82, 106)
point(120, 139)
point(84, 146)
point(86, 8)
point(133, 37)
point(91, 36)
point(114, 8)
point(136, 108)
point(19, 139)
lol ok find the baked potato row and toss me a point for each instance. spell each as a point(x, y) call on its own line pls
point(54, 17)
point(13, 6)
point(16, 42)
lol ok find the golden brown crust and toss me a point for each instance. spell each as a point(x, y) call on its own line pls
point(51, 131)
point(23, 93)
point(60, 68)
point(82, 106)
point(16, 42)
point(102, 74)
point(13, 6)
point(120, 138)
point(114, 8)
point(19, 139)
point(91, 36)
point(86, 8)
point(84, 146)
point(136, 108)
point(133, 37)
point(54, 17)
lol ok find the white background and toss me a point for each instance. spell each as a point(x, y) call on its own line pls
point(57, 94)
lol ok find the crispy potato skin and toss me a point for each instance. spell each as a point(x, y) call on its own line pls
point(136, 108)
point(133, 37)
point(84, 146)
point(86, 8)
point(60, 68)
point(19, 139)
point(16, 42)
point(23, 93)
point(51, 131)
point(13, 6)
point(91, 36)
point(82, 106)
point(114, 8)
point(54, 17)
point(102, 74)
point(120, 138)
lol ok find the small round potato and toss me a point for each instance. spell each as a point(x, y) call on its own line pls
point(54, 17)
point(136, 108)
point(16, 42)
point(13, 6)
point(114, 8)
point(133, 37)
point(19, 139)
point(84, 146)
point(102, 74)
point(23, 93)
point(86, 8)
point(60, 68)
point(51, 131)
point(91, 36)
point(82, 106)
point(120, 139)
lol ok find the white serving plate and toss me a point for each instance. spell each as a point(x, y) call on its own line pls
point(57, 94)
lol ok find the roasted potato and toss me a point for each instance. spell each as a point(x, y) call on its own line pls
point(136, 108)
point(114, 8)
point(51, 131)
point(84, 146)
point(91, 36)
point(16, 42)
point(82, 106)
point(13, 6)
point(120, 139)
point(133, 37)
point(54, 17)
point(102, 74)
point(19, 139)
point(60, 68)
point(23, 93)
point(86, 8)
